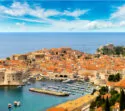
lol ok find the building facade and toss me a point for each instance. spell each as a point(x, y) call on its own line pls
point(10, 77)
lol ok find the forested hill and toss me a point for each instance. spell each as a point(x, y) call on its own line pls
point(110, 49)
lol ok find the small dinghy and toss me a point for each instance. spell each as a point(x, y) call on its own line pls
point(9, 106)
point(17, 103)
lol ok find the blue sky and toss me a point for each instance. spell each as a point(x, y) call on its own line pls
point(62, 16)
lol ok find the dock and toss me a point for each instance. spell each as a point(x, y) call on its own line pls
point(50, 92)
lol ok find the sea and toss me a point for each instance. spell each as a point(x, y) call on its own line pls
point(19, 43)
point(32, 101)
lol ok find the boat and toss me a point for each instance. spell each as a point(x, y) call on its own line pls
point(17, 103)
point(43, 84)
point(73, 93)
point(68, 81)
point(53, 87)
point(19, 86)
point(28, 83)
point(9, 105)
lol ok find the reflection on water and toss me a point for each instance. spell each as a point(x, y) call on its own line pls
point(31, 101)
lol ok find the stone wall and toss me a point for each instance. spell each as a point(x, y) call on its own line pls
point(10, 77)
point(1, 77)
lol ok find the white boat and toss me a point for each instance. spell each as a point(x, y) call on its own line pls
point(68, 81)
point(19, 86)
point(9, 105)
point(28, 83)
point(17, 103)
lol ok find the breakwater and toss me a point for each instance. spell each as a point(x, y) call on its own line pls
point(50, 92)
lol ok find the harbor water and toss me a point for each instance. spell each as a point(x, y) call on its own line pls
point(31, 101)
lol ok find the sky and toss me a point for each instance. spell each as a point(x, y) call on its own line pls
point(62, 16)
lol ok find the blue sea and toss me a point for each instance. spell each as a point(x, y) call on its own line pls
point(17, 43)
point(31, 101)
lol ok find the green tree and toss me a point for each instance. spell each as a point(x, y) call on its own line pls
point(119, 50)
point(93, 105)
point(103, 90)
point(122, 102)
point(8, 58)
point(117, 77)
point(107, 105)
point(111, 78)
point(114, 78)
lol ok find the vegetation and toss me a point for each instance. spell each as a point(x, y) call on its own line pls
point(107, 103)
point(122, 100)
point(100, 101)
point(115, 97)
point(8, 58)
point(114, 50)
point(103, 90)
point(114, 78)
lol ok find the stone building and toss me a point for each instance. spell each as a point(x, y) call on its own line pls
point(19, 57)
point(10, 77)
point(2, 73)
point(60, 76)
point(36, 55)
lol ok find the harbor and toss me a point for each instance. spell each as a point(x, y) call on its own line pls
point(30, 99)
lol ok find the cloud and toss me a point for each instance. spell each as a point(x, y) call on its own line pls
point(122, 23)
point(16, 9)
point(40, 16)
point(119, 14)
point(21, 26)
point(22, 9)
point(81, 25)
point(75, 13)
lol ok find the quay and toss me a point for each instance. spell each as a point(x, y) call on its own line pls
point(50, 92)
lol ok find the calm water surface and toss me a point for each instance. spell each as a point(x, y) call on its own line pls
point(31, 101)
point(13, 43)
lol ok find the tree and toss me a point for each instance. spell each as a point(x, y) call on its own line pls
point(103, 90)
point(93, 105)
point(8, 58)
point(114, 78)
point(122, 102)
point(117, 77)
point(107, 105)
point(111, 78)
point(119, 50)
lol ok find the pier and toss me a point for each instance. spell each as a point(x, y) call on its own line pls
point(50, 92)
